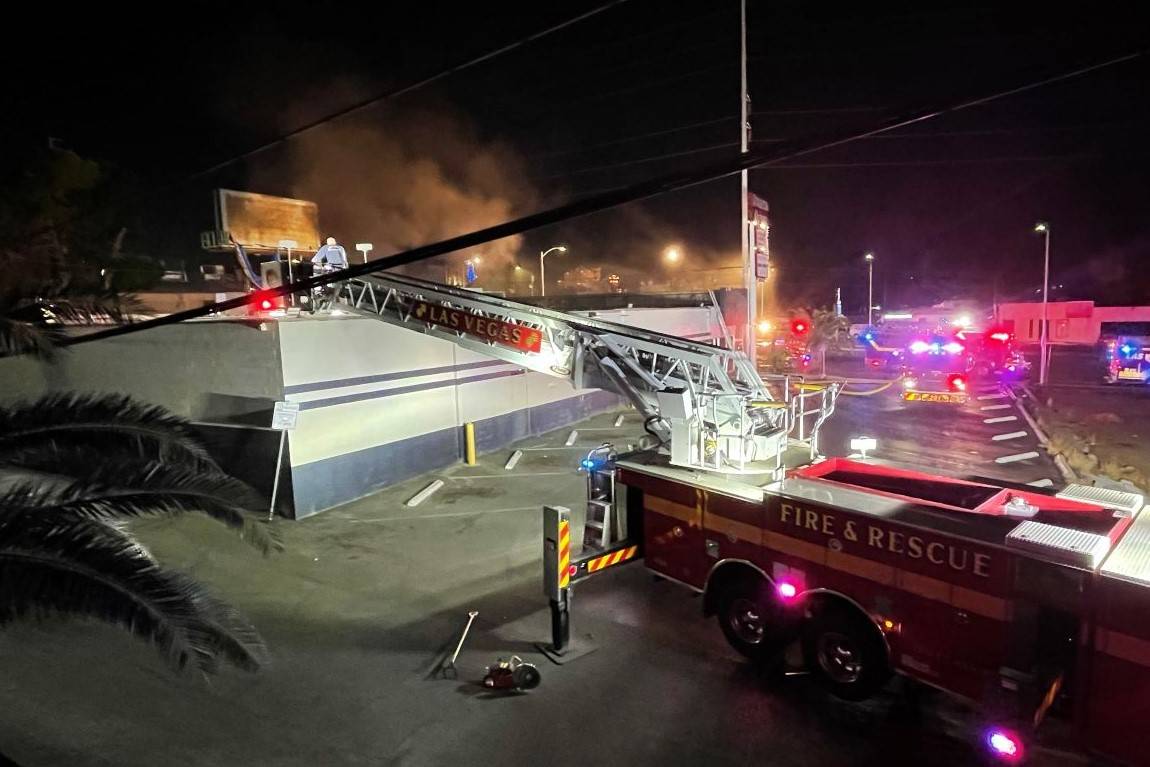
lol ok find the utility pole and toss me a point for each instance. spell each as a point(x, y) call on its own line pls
point(1043, 228)
point(744, 217)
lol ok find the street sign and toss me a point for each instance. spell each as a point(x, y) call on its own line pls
point(285, 416)
point(757, 210)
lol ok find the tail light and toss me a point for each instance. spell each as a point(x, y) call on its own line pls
point(787, 590)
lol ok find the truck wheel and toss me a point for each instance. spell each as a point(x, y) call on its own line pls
point(752, 619)
point(845, 653)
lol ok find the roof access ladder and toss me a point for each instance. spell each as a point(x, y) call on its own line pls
point(706, 405)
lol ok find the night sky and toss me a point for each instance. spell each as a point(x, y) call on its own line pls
point(641, 89)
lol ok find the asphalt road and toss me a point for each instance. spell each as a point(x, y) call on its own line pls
point(986, 436)
point(368, 598)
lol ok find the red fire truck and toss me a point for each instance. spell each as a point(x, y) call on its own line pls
point(1030, 604)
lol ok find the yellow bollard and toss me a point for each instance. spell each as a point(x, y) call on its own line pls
point(469, 444)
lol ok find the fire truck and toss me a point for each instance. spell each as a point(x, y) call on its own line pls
point(1126, 347)
point(1030, 604)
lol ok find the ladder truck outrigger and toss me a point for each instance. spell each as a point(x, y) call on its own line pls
point(1031, 604)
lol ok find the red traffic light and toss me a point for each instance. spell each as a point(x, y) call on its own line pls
point(800, 327)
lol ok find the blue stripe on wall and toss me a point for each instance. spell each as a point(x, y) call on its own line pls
point(342, 478)
point(330, 401)
point(340, 383)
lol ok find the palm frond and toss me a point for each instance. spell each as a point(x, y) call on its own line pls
point(67, 565)
point(18, 338)
point(108, 422)
point(153, 489)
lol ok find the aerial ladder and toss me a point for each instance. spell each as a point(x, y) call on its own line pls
point(706, 407)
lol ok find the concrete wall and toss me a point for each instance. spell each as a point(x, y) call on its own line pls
point(378, 403)
point(218, 371)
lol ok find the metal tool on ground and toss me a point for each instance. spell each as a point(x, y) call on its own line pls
point(512, 674)
point(449, 667)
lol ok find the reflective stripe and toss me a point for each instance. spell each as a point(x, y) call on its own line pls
point(862, 568)
point(1124, 646)
point(679, 511)
point(730, 527)
point(979, 602)
point(614, 558)
point(564, 554)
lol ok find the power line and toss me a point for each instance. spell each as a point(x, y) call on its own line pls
point(588, 205)
point(643, 160)
point(387, 96)
point(629, 139)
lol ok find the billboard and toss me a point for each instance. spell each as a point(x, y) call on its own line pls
point(261, 221)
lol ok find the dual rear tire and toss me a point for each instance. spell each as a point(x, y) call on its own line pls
point(842, 648)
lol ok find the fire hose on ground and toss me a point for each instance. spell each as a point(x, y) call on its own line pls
point(843, 390)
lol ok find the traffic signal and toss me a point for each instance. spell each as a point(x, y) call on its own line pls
point(800, 327)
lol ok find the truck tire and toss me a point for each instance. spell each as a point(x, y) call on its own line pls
point(845, 652)
point(752, 619)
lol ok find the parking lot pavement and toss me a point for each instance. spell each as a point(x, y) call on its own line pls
point(367, 598)
point(986, 436)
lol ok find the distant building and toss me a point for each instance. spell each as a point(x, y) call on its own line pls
point(1071, 322)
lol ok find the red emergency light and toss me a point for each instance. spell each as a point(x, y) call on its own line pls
point(800, 327)
point(787, 590)
point(1003, 337)
point(264, 302)
point(956, 382)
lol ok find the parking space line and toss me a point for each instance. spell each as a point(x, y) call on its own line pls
point(517, 475)
point(1016, 457)
point(996, 407)
point(1000, 419)
point(425, 493)
point(1000, 395)
point(1009, 435)
point(1044, 482)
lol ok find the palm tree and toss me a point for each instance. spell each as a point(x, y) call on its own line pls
point(33, 317)
point(73, 471)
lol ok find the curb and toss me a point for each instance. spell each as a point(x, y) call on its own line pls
point(1064, 469)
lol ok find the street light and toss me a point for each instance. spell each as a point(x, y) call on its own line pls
point(869, 257)
point(1043, 228)
point(672, 255)
point(542, 278)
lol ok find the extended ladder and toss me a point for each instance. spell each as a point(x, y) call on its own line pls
point(707, 405)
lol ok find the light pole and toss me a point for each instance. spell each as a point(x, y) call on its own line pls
point(1043, 228)
point(542, 279)
point(869, 288)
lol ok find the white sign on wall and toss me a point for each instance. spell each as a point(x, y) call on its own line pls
point(285, 416)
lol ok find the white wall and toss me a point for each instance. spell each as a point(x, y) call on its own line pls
point(326, 359)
